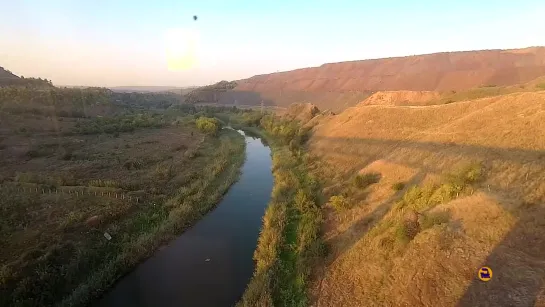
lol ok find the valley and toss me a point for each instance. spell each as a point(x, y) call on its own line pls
point(389, 189)
point(94, 182)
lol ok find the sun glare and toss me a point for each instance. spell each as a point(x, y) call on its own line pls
point(181, 48)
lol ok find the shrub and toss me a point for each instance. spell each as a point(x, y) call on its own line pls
point(339, 202)
point(418, 198)
point(467, 175)
point(541, 85)
point(435, 218)
point(365, 180)
point(208, 125)
point(304, 200)
point(398, 186)
point(402, 234)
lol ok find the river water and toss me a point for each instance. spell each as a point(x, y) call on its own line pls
point(211, 263)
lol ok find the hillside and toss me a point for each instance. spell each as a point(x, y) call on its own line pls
point(461, 183)
point(6, 74)
point(401, 98)
point(337, 86)
point(7, 78)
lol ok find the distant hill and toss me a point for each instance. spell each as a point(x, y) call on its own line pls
point(6, 74)
point(337, 86)
point(7, 78)
point(210, 93)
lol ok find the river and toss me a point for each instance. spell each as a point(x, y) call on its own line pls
point(211, 263)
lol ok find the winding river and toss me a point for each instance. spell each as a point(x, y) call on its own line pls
point(211, 263)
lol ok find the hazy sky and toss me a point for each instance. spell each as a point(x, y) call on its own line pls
point(118, 42)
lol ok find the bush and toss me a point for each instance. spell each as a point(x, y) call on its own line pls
point(208, 125)
point(402, 234)
point(435, 218)
point(252, 119)
point(467, 175)
point(339, 202)
point(365, 180)
point(398, 186)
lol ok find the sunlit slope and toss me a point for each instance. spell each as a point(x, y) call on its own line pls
point(496, 221)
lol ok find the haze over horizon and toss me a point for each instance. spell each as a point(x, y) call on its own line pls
point(137, 43)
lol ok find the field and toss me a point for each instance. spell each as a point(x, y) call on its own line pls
point(85, 198)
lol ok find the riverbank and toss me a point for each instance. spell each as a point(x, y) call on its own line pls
point(289, 243)
point(211, 263)
point(100, 239)
point(222, 158)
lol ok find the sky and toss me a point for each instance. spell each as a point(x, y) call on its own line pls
point(158, 43)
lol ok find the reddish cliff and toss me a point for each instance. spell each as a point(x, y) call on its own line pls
point(339, 85)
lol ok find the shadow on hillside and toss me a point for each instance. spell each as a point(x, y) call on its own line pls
point(345, 146)
point(518, 262)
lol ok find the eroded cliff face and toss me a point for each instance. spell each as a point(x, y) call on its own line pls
point(338, 86)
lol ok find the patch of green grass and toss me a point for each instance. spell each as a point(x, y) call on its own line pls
point(455, 184)
point(289, 243)
point(119, 123)
point(401, 234)
point(541, 86)
point(431, 219)
point(399, 228)
point(339, 202)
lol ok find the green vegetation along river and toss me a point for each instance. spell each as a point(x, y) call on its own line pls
point(211, 263)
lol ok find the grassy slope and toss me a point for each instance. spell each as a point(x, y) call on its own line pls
point(49, 254)
point(369, 258)
point(416, 98)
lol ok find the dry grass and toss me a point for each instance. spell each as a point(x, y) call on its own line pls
point(376, 259)
point(49, 253)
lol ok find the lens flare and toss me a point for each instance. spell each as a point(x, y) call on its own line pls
point(181, 48)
